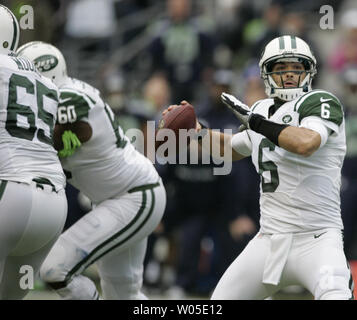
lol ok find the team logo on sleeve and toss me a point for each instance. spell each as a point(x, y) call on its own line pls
point(46, 62)
point(287, 118)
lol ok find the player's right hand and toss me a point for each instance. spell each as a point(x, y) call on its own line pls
point(240, 110)
point(183, 102)
point(168, 109)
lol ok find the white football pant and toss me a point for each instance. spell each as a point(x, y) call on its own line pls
point(113, 235)
point(31, 219)
point(313, 260)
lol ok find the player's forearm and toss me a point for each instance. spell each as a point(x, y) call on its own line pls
point(220, 145)
point(301, 141)
point(298, 140)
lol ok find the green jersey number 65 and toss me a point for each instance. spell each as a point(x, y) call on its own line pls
point(15, 110)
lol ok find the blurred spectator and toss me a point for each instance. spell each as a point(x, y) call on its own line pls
point(270, 29)
point(90, 27)
point(181, 51)
point(253, 89)
point(156, 95)
point(231, 20)
point(82, 14)
point(349, 170)
point(114, 90)
point(209, 218)
point(346, 51)
point(131, 8)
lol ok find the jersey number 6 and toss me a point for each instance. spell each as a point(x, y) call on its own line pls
point(268, 166)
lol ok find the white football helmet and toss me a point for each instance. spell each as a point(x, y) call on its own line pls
point(287, 49)
point(48, 60)
point(9, 31)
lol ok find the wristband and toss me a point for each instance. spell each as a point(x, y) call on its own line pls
point(267, 128)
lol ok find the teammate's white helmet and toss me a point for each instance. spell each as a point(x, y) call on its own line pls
point(9, 31)
point(287, 49)
point(47, 59)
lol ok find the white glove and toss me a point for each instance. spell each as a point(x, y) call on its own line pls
point(240, 110)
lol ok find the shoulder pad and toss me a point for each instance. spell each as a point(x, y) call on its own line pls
point(322, 104)
point(75, 103)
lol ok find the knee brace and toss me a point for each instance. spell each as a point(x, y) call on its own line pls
point(334, 283)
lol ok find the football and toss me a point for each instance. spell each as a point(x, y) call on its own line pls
point(182, 116)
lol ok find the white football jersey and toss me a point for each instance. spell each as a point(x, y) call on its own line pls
point(107, 164)
point(28, 111)
point(299, 193)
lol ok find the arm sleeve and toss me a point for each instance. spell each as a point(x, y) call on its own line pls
point(323, 105)
point(242, 144)
point(323, 127)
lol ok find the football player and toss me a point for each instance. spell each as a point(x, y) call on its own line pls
point(296, 139)
point(33, 204)
point(126, 191)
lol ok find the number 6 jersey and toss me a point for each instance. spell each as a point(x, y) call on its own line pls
point(28, 111)
point(299, 193)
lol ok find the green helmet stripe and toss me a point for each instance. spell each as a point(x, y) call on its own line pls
point(281, 43)
point(16, 31)
point(293, 42)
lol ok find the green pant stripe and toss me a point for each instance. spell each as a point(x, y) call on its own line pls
point(351, 282)
point(2, 188)
point(144, 187)
point(136, 230)
point(91, 258)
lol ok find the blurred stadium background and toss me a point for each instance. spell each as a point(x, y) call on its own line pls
point(147, 54)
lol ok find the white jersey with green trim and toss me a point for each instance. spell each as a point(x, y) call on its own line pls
point(299, 193)
point(28, 111)
point(107, 164)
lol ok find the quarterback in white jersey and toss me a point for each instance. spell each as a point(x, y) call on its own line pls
point(29, 168)
point(299, 193)
point(296, 140)
point(126, 191)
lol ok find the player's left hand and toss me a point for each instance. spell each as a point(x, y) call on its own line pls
point(70, 144)
point(240, 110)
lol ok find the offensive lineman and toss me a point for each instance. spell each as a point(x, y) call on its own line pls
point(126, 191)
point(296, 139)
point(33, 205)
